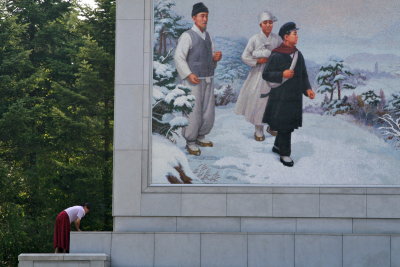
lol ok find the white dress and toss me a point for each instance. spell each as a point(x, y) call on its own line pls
point(249, 103)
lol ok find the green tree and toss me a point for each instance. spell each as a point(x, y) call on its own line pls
point(56, 119)
point(96, 79)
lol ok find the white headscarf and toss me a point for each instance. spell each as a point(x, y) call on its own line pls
point(266, 15)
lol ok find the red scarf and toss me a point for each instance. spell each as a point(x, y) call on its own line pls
point(285, 49)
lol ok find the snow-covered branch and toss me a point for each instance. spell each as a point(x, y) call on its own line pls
point(393, 127)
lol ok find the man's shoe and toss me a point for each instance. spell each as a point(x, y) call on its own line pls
point(259, 138)
point(287, 161)
point(193, 150)
point(271, 132)
point(204, 143)
point(275, 149)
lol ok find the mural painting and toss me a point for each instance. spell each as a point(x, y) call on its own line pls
point(276, 93)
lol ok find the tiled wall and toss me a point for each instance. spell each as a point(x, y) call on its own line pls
point(224, 225)
point(242, 249)
point(134, 196)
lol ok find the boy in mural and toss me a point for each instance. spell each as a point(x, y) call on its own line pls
point(256, 53)
point(286, 72)
point(196, 62)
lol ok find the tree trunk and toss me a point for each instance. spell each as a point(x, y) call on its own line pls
point(338, 88)
point(160, 47)
point(165, 44)
point(338, 84)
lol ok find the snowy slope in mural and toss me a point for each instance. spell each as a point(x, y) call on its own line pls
point(327, 151)
point(345, 149)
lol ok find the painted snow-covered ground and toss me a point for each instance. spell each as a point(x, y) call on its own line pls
point(165, 157)
point(327, 150)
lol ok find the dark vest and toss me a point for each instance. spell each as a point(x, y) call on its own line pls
point(200, 56)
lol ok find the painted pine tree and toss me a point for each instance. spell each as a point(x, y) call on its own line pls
point(393, 105)
point(333, 76)
point(168, 26)
point(370, 107)
point(171, 102)
point(370, 98)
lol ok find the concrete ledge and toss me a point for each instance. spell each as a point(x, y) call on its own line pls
point(90, 242)
point(246, 249)
point(67, 260)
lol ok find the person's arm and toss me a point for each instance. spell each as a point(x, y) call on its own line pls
point(181, 53)
point(77, 223)
point(307, 90)
point(262, 52)
point(217, 55)
point(247, 56)
point(271, 72)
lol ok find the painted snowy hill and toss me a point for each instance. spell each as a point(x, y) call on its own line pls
point(385, 62)
point(230, 68)
point(327, 151)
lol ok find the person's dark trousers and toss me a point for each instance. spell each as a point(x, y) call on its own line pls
point(283, 142)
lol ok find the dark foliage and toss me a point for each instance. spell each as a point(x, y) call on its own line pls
point(56, 119)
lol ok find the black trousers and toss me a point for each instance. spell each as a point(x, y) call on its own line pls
point(283, 142)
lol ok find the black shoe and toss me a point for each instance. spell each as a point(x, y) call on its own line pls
point(271, 132)
point(275, 149)
point(287, 163)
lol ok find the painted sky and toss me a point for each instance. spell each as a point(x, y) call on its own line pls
point(339, 27)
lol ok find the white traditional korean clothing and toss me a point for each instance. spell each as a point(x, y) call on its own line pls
point(249, 103)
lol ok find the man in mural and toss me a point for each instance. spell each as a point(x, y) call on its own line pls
point(256, 53)
point(196, 62)
point(286, 72)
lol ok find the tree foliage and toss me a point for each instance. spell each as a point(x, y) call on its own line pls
point(332, 77)
point(56, 118)
point(168, 26)
point(172, 102)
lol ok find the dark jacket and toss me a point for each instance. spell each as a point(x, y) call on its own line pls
point(285, 103)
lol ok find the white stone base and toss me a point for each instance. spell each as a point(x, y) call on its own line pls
point(64, 260)
point(242, 248)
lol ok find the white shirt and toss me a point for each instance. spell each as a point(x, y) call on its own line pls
point(75, 212)
point(182, 50)
point(260, 46)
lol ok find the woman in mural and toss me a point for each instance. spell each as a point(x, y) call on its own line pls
point(286, 72)
point(256, 53)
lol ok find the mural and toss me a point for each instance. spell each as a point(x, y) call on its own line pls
point(210, 94)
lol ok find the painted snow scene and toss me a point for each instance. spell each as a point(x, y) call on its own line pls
point(350, 135)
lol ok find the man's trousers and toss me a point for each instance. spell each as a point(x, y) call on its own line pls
point(283, 142)
point(201, 119)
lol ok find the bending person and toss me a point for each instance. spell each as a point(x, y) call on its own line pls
point(62, 228)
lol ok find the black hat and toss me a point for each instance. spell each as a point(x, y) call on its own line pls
point(198, 8)
point(287, 28)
